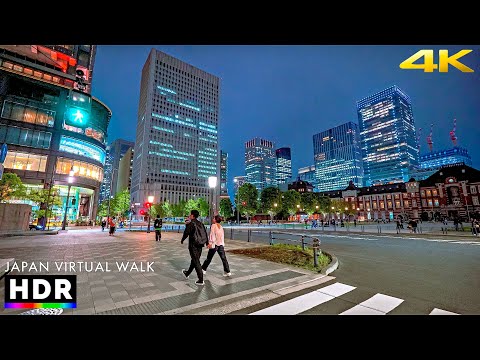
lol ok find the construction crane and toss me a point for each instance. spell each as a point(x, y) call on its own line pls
point(453, 137)
point(429, 138)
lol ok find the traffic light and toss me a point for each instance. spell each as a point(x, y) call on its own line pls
point(142, 212)
point(147, 205)
point(244, 203)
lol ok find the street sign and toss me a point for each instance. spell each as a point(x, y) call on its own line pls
point(137, 204)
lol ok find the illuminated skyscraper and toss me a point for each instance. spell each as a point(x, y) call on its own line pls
point(388, 137)
point(283, 165)
point(260, 163)
point(337, 157)
point(223, 174)
point(176, 147)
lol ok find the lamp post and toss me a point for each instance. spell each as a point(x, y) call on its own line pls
point(212, 184)
point(110, 197)
point(237, 202)
point(150, 200)
point(466, 203)
point(346, 209)
point(70, 180)
point(275, 211)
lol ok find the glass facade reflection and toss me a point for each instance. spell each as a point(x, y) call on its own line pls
point(337, 157)
point(283, 165)
point(388, 137)
point(437, 159)
point(260, 163)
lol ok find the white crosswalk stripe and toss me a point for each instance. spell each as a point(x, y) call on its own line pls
point(378, 304)
point(442, 312)
point(307, 301)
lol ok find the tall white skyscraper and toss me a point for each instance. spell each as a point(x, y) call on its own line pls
point(176, 147)
point(260, 163)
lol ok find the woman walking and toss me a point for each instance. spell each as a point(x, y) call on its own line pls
point(216, 243)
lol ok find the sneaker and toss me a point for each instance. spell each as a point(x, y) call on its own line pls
point(184, 272)
point(199, 282)
point(227, 274)
point(204, 271)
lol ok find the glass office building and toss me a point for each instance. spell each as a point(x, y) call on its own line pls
point(388, 137)
point(260, 163)
point(283, 158)
point(436, 159)
point(337, 157)
point(176, 147)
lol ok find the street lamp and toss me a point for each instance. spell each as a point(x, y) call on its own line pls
point(212, 184)
point(70, 180)
point(150, 200)
point(110, 196)
point(237, 202)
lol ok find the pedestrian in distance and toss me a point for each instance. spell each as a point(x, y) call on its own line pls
point(216, 243)
point(104, 223)
point(197, 238)
point(157, 225)
point(112, 224)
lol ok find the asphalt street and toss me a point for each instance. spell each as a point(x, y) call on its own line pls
point(426, 273)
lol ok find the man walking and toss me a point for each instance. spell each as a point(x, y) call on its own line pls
point(157, 225)
point(197, 238)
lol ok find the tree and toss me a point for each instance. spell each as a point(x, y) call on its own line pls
point(42, 197)
point(121, 203)
point(248, 195)
point(203, 207)
point(102, 208)
point(226, 207)
point(191, 204)
point(343, 207)
point(178, 209)
point(324, 204)
point(157, 209)
point(167, 209)
point(11, 186)
point(290, 200)
point(308, 201)
point(268, 198)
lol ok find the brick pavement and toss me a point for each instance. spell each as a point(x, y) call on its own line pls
point(164, 291)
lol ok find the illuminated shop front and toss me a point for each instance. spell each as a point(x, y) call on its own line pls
point(51, 127)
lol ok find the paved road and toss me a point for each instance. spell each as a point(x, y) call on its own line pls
point(388, 274)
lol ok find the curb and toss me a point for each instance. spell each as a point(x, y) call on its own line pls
point(330, 267)
point(29, 233)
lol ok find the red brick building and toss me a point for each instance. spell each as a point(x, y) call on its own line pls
point(452, 192)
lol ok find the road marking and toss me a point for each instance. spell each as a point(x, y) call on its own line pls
point(305, 302)
point(379, 304)
point(442, 312)
point(336, 289)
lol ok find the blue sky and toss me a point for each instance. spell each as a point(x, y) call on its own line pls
point(288, 93)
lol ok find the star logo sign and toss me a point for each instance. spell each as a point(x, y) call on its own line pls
point(78, 117)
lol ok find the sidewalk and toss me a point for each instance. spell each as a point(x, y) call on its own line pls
point(164, 291)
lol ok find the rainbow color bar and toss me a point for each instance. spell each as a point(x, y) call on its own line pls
point(40, 305)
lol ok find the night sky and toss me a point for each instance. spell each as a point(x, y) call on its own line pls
point(289, 93)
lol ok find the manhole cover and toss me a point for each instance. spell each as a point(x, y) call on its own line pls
point(43, 312)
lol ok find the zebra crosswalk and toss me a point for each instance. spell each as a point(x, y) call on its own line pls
point(312, 302)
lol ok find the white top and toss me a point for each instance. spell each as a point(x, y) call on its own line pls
point(217, 235)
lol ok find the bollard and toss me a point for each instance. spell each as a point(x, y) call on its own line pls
point(178, 230)
point(303, 244)
point(231, 233)
point(315, 258)
point(271, 238)
point(363, 228)
point(248, 235)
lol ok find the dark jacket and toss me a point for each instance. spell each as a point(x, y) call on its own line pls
point(157, 224)
point(190, 233)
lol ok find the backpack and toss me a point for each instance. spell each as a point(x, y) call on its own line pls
point(157, 223)
point(200, 234)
